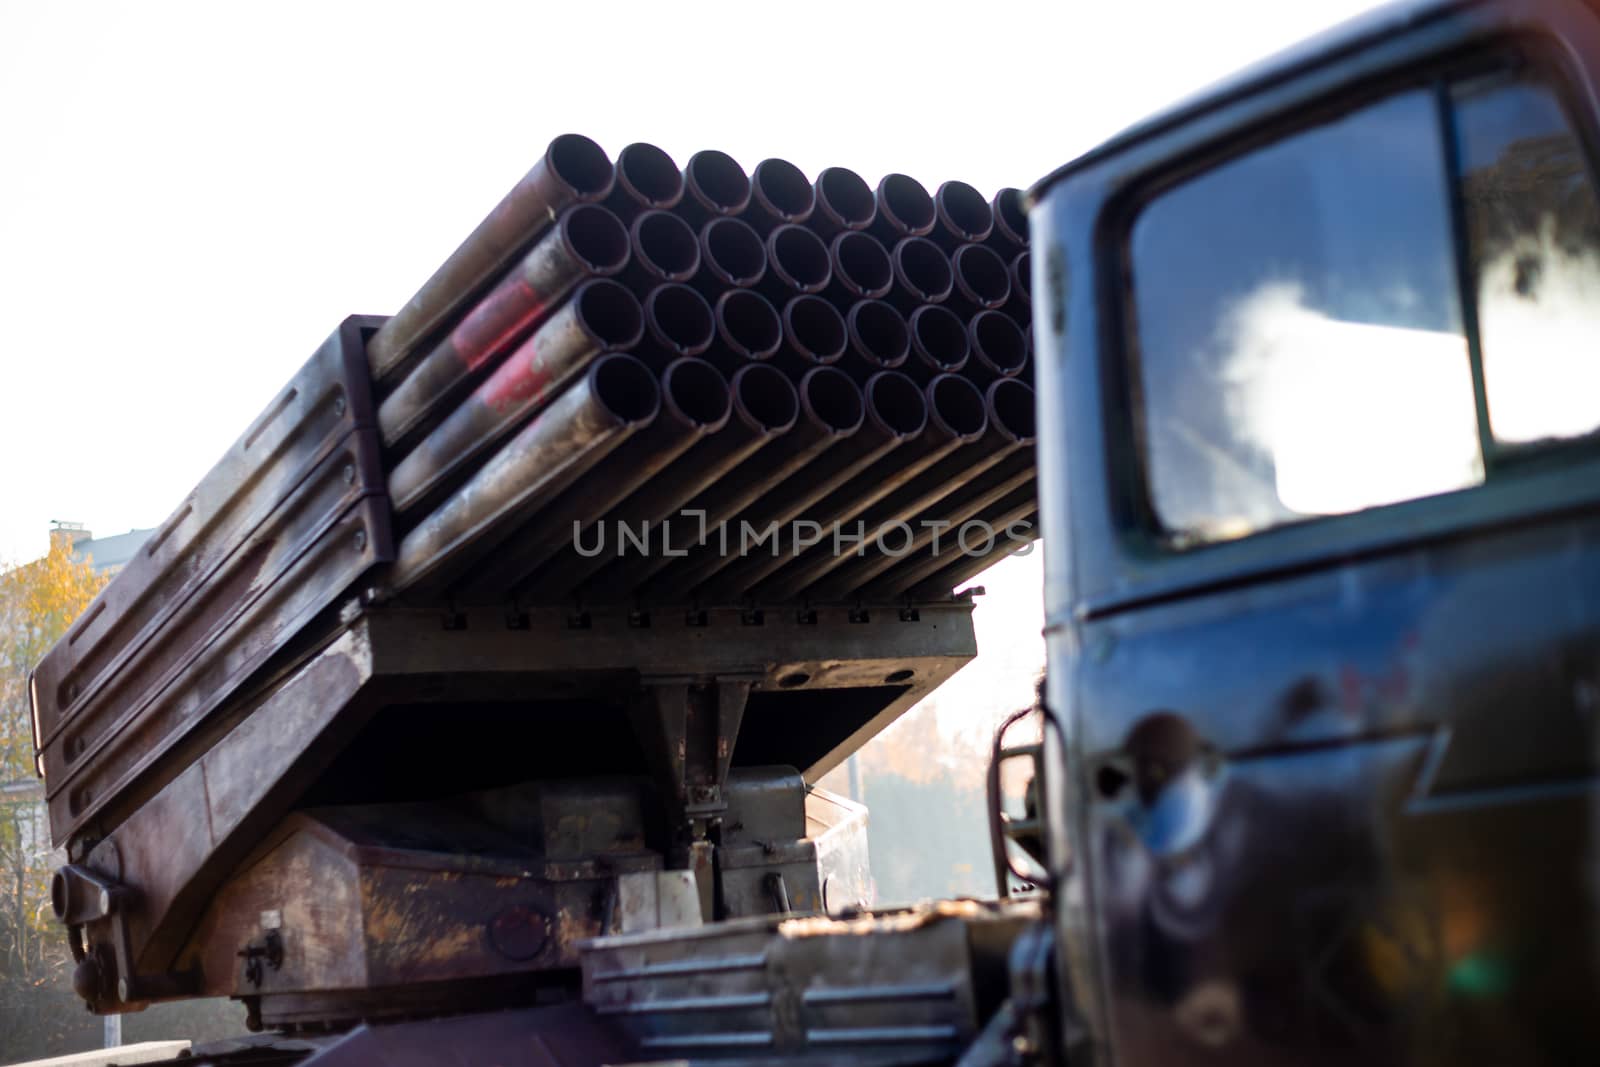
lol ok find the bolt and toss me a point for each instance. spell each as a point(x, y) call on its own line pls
point(361, 540)
point(349, 473)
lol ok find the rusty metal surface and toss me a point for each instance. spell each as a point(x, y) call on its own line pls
point(573, 168)
point(600, 316)
point(586, 241)
point(695, 401)
point(613, 399)
point(286, 521)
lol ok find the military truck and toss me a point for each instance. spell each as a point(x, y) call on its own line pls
point(1319, 490)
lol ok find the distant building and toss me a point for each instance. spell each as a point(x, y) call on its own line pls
point(107, 554)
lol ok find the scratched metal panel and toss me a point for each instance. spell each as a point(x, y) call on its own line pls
point(284, 524)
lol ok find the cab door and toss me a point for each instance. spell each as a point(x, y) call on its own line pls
point(1331, 661)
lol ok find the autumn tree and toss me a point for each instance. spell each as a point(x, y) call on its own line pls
point(38, 601)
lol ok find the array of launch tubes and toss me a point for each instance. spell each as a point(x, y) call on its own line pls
point(639, 383)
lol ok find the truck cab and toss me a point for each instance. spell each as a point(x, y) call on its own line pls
point(1319, 381)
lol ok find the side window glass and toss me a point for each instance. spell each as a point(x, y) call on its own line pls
point(1533, 231)
point(1300, 349)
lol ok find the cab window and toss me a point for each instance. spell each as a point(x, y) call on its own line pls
point(1303, 345)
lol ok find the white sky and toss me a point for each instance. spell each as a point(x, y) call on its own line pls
point(193, 195)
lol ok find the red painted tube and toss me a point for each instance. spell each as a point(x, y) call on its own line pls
point(998, 347)
point(862, 269)
point(961, 215)
point(814, 333)
point(981, 280)
point(957, 418)
point(662, 249)
point(779, 195)
point(573, 169)
point(647, 180)
point(600, 316)
point(677, 322)
point(613, 399)
point(939, 343)
point(922, 274)
point(587, 241)
point(797, 262)
point(904, 209)
point(713, 185)
point(695, 401)
point(896, 413)
point(844, 202)
point(731, 255)
point(880, 338)
point(1010, 233)
point(832, 410)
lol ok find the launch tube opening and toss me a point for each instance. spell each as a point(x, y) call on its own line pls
point(799, 257)
point(1009, 217)
point(939, 337)
point(879, 333)
point(998, 342)
point(626, 388)
point(763, 396)
point(896, 403)
point(846, 197)
point(981, 275)
point(733, 251)
point(596, 238)
point(680, 318)
point(906, 205)
point(957, 404)
point(718, 181)
point(783, 190)
point(610, 315)
point(833, 399)
point(861, 264)
point(964, 211)
point(749, 324)
point(666, 245)
point(815, 328)
point(697, 391)
point(1012, 408)
point(581, 164)
point(650, 174)
point(923, 269)
point(1020, 271)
